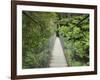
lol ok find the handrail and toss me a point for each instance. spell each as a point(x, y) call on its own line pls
point(33, 20)
point(82, 20)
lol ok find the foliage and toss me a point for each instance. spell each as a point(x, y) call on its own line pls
point(37, 29)
point(39, 33)
point(75, 35)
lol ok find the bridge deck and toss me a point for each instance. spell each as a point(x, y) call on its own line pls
point(57, 56)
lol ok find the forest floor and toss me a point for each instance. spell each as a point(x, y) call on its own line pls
point(57, 56)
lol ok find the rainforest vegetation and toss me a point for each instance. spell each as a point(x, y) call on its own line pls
point(39, 33)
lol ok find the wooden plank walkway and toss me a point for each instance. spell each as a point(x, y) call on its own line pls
point(57, 56)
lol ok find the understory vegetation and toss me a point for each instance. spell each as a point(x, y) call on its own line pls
point(37, 38)
point(75, 35)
